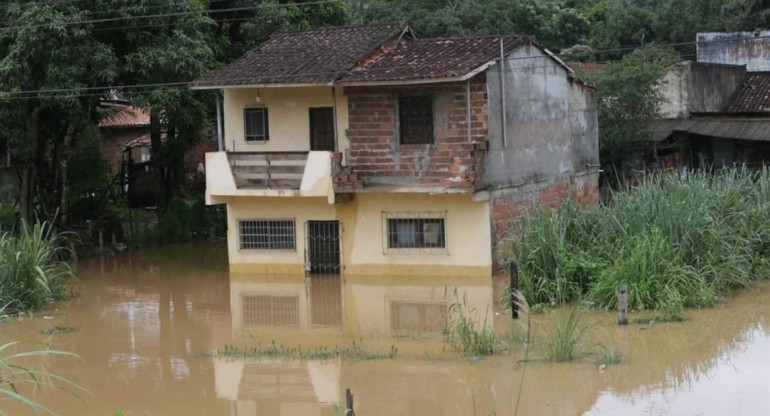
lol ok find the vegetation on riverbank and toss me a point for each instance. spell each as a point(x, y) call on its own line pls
point(676, 241)
point(32, 268)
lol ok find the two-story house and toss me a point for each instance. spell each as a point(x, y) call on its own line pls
point(365, 150)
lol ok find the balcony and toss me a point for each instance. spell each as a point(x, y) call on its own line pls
point(274, 174)
point(253, 170)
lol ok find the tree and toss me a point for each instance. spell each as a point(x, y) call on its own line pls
point(49, 63)
point(628, 99)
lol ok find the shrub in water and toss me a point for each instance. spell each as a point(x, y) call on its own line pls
point(31, 268)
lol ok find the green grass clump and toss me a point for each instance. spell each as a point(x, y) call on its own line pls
point(676, 241)
point(356, 352)
point(469, 332)
point(32, 268)
point(611, 356)
point(564, 344)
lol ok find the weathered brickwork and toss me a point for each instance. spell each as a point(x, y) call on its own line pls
point(515, 204)
point(376, 156)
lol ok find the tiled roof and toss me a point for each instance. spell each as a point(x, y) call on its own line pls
point(587, 66)
point(305, 57)
point(127, 117)
point(423, 59)
point(753, 96)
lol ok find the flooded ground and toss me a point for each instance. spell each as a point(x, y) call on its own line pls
point(145, 324)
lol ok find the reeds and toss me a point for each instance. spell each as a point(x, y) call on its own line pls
point(32, 270)
point(468, 331)
point(564, 344)
point(677, 241)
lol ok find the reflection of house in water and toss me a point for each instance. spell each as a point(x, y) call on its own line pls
point(306, 310)
point(365, 306)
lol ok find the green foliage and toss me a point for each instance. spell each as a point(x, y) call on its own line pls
point(15, 375)
point(9, 209)
point(677, 242)
point(565, 342)
point(32, 271)
point(628, 99)
point(611, 356)
point(468, 331)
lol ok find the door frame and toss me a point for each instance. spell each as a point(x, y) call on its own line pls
point(308, 257)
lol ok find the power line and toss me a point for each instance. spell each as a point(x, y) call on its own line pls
point(28, 93)
point(178, 14)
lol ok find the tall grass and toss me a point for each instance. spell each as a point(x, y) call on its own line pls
point(676, 241)
point(564, 344)
point(468, 331)
point(32, 267)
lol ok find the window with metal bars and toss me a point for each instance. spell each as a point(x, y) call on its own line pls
point(415, 232)
point(267, 234)
point(415, 117)
point(255, 124)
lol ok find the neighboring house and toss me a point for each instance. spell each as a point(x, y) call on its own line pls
point(125, 126)
point(716, 112)
point(369, 151)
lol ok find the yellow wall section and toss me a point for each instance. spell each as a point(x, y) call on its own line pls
point(288, 117)
point(467, 234)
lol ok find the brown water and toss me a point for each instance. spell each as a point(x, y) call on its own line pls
point(146, 322)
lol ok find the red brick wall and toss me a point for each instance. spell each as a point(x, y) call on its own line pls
point(112, 142)
point(509, 208)
point(377, 156)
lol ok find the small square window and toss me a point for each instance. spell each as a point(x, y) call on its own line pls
point(267, 234)
point(255, 124)
point(415, 117)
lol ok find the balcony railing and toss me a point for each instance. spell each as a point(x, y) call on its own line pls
point(275, 170)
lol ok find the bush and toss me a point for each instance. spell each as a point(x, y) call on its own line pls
point(676, 242)
point(32, 271)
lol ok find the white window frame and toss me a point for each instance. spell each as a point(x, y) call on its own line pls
point(416, 215)
point(293, 221)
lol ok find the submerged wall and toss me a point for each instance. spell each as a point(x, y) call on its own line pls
point(364, 245)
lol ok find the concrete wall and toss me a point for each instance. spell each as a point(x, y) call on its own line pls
point(692, 87)
point(377, 156)
point(468, 240)
point(288, 117)
point(550, 123)
point(737, 48)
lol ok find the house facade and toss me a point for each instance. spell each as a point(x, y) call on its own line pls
point(365, 150)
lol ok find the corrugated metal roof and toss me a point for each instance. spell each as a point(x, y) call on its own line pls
point(744, 129)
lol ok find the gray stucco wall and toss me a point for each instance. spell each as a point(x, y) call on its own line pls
point(551, 122)
point(737, 48)
point(696, 87)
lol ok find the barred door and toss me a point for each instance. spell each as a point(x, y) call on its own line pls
point(323, 246)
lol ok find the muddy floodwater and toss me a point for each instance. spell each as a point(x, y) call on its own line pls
point(145, 325)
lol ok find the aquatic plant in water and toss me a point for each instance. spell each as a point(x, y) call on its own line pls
point(32, 269)
point(15, 377)
point(469, 332)
point(564, 344)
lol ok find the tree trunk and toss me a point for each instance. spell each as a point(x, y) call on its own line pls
point(158, 165)
point(63, 171)
point(29, 175)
